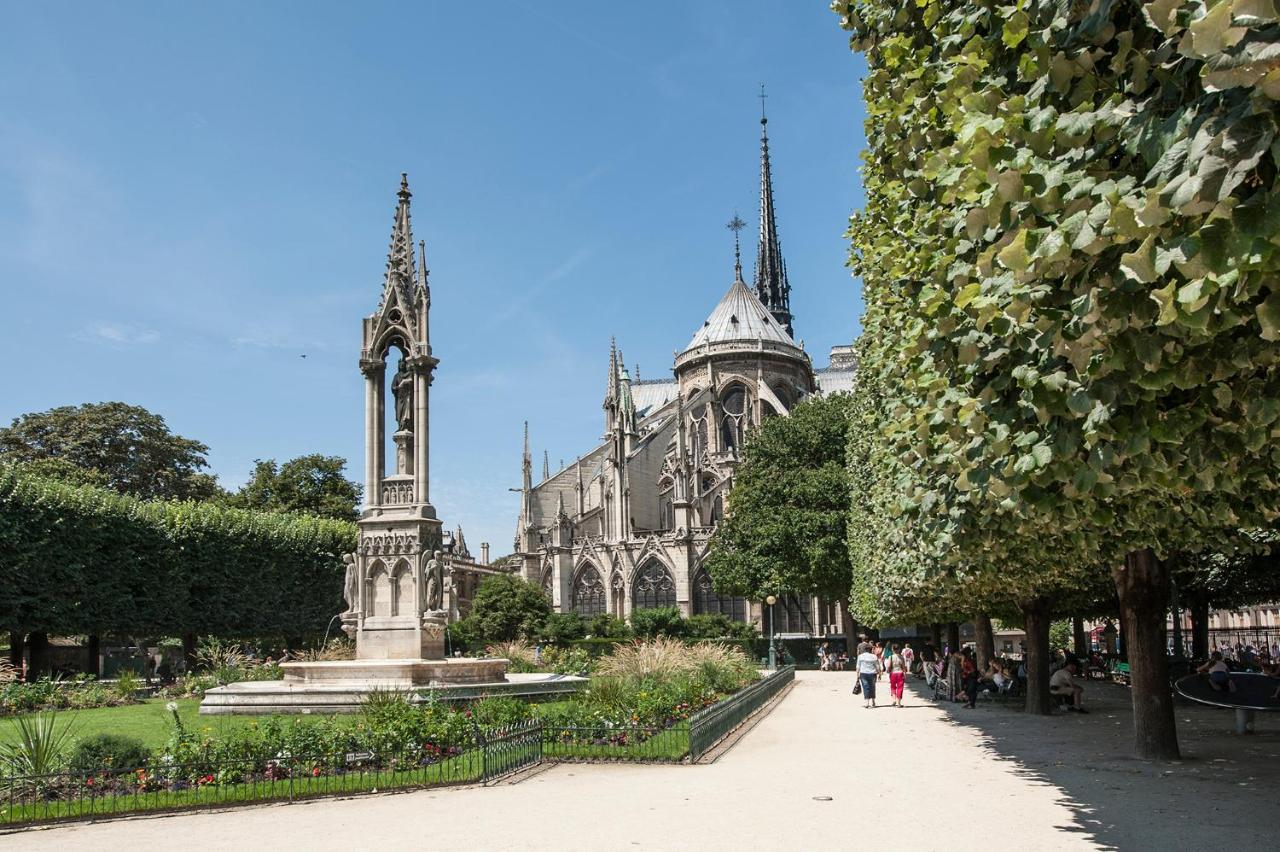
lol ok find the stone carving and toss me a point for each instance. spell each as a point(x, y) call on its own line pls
point(435, 583)
point(402, 389)
point(350, 581)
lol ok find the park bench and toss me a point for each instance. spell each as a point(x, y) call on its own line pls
point(1120, 673)
point(1254, 693)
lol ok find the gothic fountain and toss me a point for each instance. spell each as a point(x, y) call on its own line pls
point(401, 589)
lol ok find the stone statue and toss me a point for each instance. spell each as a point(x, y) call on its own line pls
point(435, 583)
point(350, 582)
point(402, 390)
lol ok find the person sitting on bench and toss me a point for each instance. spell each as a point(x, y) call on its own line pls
point(1219, 673)
point(1063, 683)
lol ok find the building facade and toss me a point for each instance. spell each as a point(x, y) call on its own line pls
point(627, 525)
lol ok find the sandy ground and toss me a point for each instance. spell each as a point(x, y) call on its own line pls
point(923, 777)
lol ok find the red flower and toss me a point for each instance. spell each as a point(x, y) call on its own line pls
point(315, 773)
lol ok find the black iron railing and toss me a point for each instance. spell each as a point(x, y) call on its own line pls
point(707, 727)
point(26, 798)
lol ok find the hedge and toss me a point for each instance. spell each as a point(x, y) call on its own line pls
point(78, 559)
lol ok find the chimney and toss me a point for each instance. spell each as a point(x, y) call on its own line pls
point(484, 553)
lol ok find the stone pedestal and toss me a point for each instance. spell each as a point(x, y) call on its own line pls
point(395, 638)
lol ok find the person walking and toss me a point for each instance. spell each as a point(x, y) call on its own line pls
point(868, 666)
point(969, 678)
point(909, 657)
point(897, 675)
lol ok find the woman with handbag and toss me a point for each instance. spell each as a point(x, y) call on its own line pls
point(868, 666)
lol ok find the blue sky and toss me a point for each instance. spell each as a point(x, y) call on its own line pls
point(193, 196)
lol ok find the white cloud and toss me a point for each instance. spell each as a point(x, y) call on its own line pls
point(121, 334)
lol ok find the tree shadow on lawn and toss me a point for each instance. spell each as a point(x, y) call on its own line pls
point(1221, 794)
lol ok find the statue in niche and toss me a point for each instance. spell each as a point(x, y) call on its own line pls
point(402, 390)
point(435, 583)
point(350, 581)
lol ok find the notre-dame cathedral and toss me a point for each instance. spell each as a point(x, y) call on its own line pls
point(626, 525)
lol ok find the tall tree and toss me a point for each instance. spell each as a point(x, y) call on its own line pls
point(1084, 346)
point(126, 447)
point(786, 528)
point(312, 484)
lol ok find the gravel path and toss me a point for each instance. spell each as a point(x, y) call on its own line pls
point(818, 773)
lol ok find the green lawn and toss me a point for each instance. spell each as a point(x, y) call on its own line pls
point(148, 721)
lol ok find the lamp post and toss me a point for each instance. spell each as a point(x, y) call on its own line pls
point(773, 650)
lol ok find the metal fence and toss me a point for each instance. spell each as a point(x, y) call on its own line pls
point(26, 799)
point(709, 726)
point(34, 798)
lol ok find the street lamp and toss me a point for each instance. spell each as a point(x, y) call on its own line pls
point(773, 650)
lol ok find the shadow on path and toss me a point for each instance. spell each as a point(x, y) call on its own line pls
point(1222, 794)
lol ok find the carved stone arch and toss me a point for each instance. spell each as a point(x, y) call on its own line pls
point(617, 594)
point(733, 406)
point(707, 601)
point(587, 595)
point(377, 590)
point(404, 598)
point(653, 585)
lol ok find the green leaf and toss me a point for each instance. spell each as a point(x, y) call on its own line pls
point(1269, 316)
point(1015, 29)
point(1014, 256)
point(1140, 264)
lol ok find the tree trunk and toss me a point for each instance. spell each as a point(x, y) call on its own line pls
point(95, 656)
point(189, 643)
point(1122, 643)
point(953, 635)
point(1199, 611)
point(1079, 639)
point(1035, 613)
point(1142, 584)
point(850, 627)
point(17, 649)
point(38, 656)
point(985, 640)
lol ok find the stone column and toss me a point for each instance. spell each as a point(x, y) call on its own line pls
point(421, 434)
point(372, 433)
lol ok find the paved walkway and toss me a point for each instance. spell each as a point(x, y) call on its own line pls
point(882, 770)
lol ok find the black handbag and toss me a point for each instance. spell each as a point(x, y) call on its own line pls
point(857, 686)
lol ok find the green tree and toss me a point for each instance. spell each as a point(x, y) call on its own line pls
point(563, 627)
point(660, 621)
point(128, 449)
point(1069, 251)
point(786, 528)
point(312, 484)
point(506, 607)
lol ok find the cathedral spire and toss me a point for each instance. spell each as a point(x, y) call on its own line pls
point(771, 273)
point(528, 463)
point(546, 465)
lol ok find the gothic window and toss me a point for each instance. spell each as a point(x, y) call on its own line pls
point(706, 601)
point(588, 592)
point(733, 408)
point(717, 509)
point(546, 584)
point(654, 587)
point(618, 594)
point(791, 614)
point(698, 419)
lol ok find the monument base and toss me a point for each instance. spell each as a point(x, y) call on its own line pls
point(326, 696)
point(398, 674)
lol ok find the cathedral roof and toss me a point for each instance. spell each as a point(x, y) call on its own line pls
point(741, 316)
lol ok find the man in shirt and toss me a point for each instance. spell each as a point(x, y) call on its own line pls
point(1062, 682)
point(909, 657)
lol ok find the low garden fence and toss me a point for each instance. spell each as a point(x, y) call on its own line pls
point(26, 799)
point(33, 798)
point(707, 727)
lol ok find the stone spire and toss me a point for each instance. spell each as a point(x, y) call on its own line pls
point(546, 465)
point(401, 273)
point(771, 283)
point(528, 462)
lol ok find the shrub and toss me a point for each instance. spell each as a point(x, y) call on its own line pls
point(108, 753)
point(506, 607)
point(521, 654)
point(570, 660)
point(499, 712)
point(563, 627)
point(39, 747)
point(461, 634)
point(127, 683)
point(664, 621)
point(657, 658)
point(338, 648)
point(718, 626)
point(608, 627)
